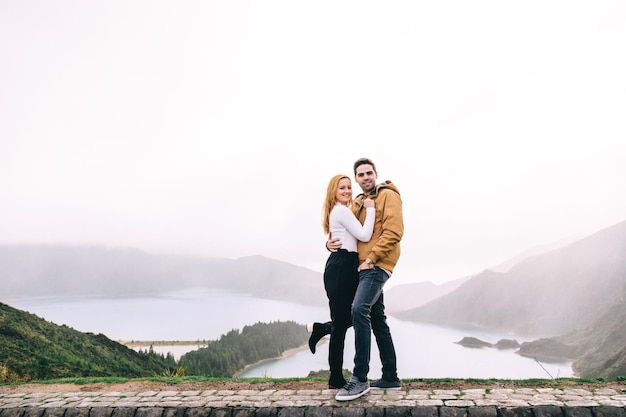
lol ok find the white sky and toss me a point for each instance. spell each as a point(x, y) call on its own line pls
point(212, 127)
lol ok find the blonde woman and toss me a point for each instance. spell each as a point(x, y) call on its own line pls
point(341, 276)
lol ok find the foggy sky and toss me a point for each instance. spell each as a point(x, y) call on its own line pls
point(212, 127)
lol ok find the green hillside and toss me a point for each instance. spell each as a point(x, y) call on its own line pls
point(598, 351)
point(33, 349)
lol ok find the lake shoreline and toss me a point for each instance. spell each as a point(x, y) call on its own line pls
point(286, 354)
point(147, 343)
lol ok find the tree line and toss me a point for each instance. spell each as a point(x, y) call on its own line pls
point(234, 350)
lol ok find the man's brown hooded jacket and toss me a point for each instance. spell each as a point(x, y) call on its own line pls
point(384, 246)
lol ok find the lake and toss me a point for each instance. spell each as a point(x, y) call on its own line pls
point(424, 350)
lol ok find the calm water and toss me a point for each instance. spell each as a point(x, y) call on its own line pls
point(424, 351)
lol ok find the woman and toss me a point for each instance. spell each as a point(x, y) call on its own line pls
point(341, 277)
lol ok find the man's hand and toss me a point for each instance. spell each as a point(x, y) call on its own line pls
point(365, 266)
point(333, 244)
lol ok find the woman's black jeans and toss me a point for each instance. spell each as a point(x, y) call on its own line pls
point(341, 280)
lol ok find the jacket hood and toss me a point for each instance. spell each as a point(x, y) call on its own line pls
point(383, 185)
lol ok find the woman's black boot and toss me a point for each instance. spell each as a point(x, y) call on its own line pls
point(319, 330)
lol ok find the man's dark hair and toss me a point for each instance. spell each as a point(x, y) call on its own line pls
point(363, 161)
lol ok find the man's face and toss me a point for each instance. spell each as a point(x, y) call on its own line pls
point(366, 177)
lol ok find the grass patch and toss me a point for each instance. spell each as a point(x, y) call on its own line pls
point(435, 382)
point(163, 379)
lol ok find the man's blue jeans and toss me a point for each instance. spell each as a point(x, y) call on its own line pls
point(368, 315)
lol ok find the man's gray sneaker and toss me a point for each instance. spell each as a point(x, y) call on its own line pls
point(353, 390)
point(388, 385)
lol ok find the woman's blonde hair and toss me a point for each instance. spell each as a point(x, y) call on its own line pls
point(331, 199)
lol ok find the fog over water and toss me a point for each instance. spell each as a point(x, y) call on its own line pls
point(205, 314)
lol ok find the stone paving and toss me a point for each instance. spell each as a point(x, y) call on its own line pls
point(606, 398)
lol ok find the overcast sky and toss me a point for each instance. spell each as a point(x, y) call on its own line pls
point(212, 127)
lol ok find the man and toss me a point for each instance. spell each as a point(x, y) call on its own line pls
point(377, 259)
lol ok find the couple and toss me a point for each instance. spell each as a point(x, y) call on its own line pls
point(364, 241)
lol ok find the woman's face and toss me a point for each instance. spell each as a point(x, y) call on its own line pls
point(344, 191)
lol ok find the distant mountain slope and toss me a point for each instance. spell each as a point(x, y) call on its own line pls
point(56, 270)
point(545, 295)
point(408, 296)
point(535, 250)
point(32, 348)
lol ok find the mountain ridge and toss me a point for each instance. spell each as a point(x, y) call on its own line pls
point(544, 295)
point(74, 270)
